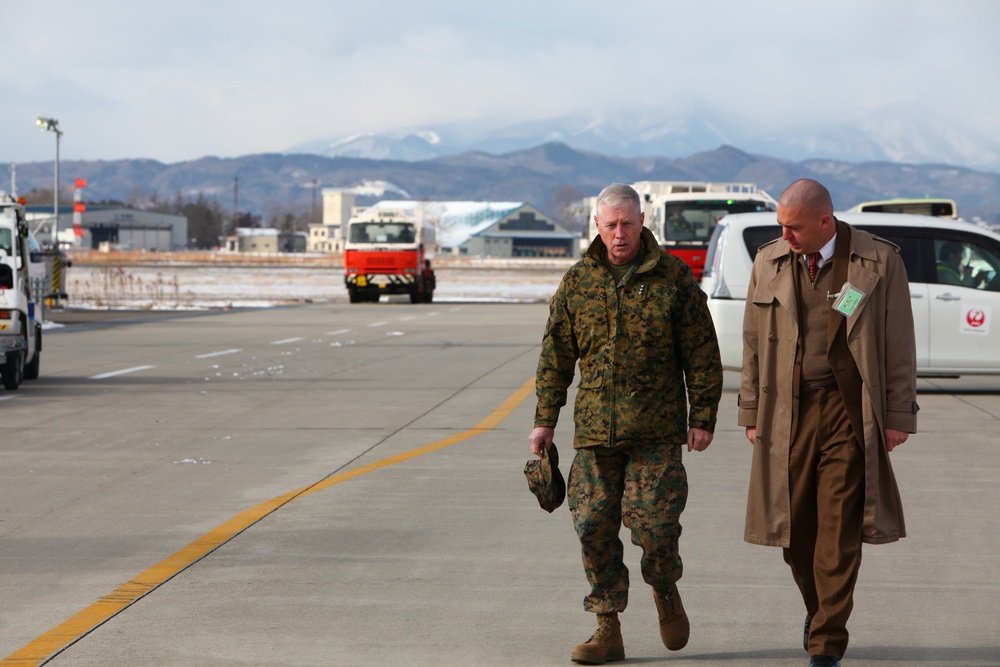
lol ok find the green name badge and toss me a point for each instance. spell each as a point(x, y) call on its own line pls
point(848, 300)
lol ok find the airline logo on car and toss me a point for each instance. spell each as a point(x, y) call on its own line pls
point(976, 320)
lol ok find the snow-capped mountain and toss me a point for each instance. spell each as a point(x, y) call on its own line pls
point(898, 136)
point(411, 147)
point(891, 135)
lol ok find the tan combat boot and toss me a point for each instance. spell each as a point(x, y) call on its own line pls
point(674, 626)
point(606, 644)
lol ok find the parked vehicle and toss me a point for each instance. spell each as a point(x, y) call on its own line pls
point(389, 252)
point(940, 208)
point(20, 315)
point(952, 310)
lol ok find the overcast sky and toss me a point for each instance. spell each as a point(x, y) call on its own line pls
point(183, 79)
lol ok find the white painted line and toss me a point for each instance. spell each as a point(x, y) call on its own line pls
point(337, 332)
point(377, 324)
point(408, 317)
point(102, 376)
point(288, 340)
point(218, 354)
point(7, 397)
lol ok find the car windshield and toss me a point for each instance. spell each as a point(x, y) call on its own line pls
point(696, 220)
point(382, 232)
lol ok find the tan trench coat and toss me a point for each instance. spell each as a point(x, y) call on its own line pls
point(881, 341)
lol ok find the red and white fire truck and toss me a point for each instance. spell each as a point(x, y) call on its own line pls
point(389, 251)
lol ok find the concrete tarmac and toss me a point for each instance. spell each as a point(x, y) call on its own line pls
point(304, 433)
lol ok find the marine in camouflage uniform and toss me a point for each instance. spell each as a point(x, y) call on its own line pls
point(646, 346)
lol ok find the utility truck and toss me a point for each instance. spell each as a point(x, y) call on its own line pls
point(20, 315)
point(389, 251)
point(683, 214)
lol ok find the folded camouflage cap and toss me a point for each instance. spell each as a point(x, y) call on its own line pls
point(545, 480)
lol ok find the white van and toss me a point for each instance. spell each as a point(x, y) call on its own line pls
point(952, 311)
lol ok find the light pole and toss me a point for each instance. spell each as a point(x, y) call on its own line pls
point(52, 125)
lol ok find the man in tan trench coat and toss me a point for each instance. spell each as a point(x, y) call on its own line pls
point(828, 389)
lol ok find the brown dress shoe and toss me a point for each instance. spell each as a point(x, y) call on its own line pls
point(605, 645)
point(674, 626)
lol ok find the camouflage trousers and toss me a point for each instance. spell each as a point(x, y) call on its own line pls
point(644, 487)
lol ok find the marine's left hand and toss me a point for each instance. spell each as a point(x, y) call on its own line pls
point(698, 439)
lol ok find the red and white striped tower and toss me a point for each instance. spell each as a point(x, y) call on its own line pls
point(78, 208)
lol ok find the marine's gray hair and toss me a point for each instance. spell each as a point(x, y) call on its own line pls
point(617, 195)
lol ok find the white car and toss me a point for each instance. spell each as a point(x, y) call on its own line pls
point(953, 308)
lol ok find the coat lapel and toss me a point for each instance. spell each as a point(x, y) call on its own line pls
point(782, 282)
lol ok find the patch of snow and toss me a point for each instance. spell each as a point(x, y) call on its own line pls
point(182, 288)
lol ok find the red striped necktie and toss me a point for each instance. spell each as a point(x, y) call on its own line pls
point(812, 261)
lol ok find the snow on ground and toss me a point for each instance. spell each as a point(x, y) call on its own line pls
point(203, 287)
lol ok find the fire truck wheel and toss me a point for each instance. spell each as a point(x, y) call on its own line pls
point(13, 370)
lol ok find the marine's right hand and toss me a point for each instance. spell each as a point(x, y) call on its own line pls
point(540, 439)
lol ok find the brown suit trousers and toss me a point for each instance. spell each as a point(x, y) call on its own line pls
point(826, 472)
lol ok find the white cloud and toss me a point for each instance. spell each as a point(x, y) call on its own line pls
point(179, 80)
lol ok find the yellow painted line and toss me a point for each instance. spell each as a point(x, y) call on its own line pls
point(73, 629)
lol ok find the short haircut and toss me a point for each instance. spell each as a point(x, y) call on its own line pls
point(809, 194)
point(618, 195)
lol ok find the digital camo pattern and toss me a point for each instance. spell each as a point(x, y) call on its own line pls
point(637, 343)
point(652, 486)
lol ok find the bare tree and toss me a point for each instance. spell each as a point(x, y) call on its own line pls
point(564, 208)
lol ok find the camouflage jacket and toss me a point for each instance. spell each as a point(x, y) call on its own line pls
point(638, 344)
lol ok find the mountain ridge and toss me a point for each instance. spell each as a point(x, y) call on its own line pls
point(895, 133)
point(544, 175)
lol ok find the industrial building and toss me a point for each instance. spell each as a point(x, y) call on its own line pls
point(468, 228)
point(112, 227)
